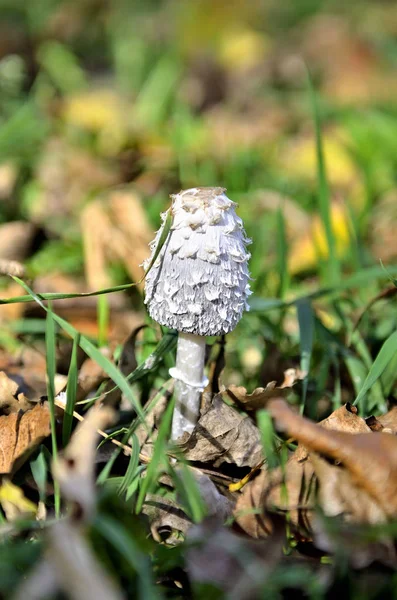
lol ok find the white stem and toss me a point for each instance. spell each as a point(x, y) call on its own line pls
point(190, 383)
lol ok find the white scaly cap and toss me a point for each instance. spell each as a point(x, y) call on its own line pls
point(199, 283)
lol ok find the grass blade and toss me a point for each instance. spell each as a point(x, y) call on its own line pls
point(110, 369)
point(333, 269)
point(71, 389)
point(265, 425)
point(306, 336)
point(51, 369)
point(39, 469)
point(103, 320)
point(132, 467)
point(116, 535)
point(159, 454)
point(385, 355)
point(282, 255)
point(189, 492)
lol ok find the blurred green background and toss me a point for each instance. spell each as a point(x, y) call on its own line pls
point(107, 107)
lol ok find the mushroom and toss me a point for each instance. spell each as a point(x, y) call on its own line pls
point(199, 286)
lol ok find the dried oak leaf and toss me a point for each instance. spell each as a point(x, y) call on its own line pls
point(389, 421)
point(345, 419)
point(290, 491)
point(9, 401)
point(224, 435)
point(260, 397)
point(370, 459)
point(295, 489)
point(20, 435)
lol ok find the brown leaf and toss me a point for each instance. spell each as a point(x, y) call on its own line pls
point(16, 239)
point(345, 419)
point(10, 400)
point(369, 458)
point(389, 420)
point(20, 435)
point(289, 491)
point(130, 218)
point(339, 495)
point(115, 228)
point(260, 397)
point(295, 492)
point(224, 435)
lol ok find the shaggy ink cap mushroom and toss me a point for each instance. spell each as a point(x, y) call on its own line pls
point(199, 283)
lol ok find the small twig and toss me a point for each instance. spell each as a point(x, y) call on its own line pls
point(127, 449)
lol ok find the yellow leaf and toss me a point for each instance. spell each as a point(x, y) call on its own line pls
point(306, 250)
point(301, 160)
point(102, 112)
point(242, 49)
point(14, 503)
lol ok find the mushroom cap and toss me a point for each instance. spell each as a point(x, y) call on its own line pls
point(200, 281)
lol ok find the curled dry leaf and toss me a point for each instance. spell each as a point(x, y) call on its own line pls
point(20, 435)
point(370, 459)
point(345, 418)
point(388, 422)
point(224, 435)
point(295, 489)
point(14, 503)
point(260, 397)
point(74, 469)
point(10, 400)
point(115, 228)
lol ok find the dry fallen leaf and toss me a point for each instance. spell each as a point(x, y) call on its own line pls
point(294, 489)
point(369, 458)
point(16, 239)
point(115, 228)
point(224, 435)
point(10, 400)
point(14, 503)
point(259, 397)
point(389, 420)
point(20, 435)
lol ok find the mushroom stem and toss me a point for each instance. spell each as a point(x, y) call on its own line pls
point(190, 382)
